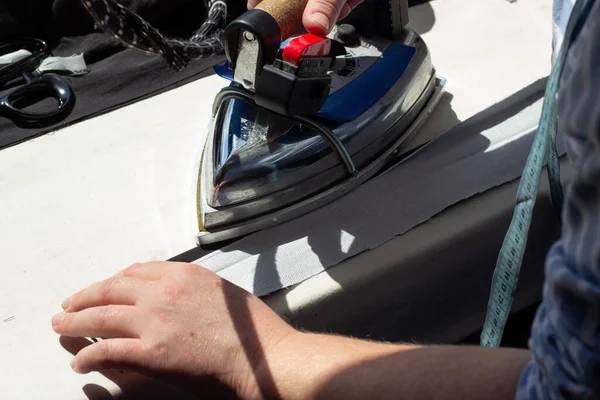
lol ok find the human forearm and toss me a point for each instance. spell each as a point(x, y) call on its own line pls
point(185, 325)
point(311, 366)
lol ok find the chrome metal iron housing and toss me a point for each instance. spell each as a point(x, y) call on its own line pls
point(280, 168)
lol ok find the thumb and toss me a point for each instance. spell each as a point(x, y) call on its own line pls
point(320, 15)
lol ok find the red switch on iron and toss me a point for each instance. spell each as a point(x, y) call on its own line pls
point(297, 83)
point(307, 45)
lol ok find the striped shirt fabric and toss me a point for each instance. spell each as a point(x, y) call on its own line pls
point(565, 338)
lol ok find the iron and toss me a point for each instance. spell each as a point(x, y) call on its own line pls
point(308, 119)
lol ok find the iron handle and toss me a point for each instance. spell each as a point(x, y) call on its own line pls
point(287, 14)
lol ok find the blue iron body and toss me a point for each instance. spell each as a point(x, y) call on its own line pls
point(362, 93)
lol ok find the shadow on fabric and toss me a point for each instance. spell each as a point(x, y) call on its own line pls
point(421, 16)
point(340, 238)
point(327, 244)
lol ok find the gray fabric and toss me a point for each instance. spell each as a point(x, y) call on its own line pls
point(74, 65)
point(465, 161)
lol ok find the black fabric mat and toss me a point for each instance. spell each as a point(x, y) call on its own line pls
point(118, 76)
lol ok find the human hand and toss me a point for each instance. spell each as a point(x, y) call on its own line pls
point(320, 15)
point(176, 322)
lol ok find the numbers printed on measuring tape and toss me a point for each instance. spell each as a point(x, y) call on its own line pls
point(508, 265)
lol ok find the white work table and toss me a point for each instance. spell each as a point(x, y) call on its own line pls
point(82, 203)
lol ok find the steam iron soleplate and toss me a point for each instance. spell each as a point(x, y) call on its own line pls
point(264, 163)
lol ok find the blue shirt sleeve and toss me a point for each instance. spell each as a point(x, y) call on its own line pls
point(565, 338)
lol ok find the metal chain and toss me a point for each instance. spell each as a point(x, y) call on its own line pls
point(130, 29)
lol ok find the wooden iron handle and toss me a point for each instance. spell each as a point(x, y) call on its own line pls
point(287, 13)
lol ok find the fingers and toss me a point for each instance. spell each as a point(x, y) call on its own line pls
point(115, 321)
point(124, 354)
point(320, 15)
point(115, 290)
point(119, 289)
